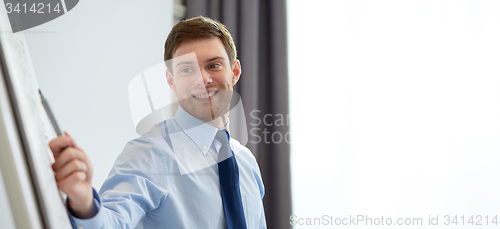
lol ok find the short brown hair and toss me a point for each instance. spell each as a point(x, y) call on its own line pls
point(198, 28)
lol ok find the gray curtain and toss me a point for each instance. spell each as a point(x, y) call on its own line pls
point(259, 30)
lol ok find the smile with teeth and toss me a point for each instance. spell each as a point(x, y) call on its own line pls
point(205, 95)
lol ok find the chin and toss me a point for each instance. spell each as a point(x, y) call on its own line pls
point(206, 111)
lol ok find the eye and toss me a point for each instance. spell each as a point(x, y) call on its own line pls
point(214, 66)
point(186, 70)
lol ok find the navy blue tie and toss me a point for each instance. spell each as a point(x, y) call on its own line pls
point(229, 184)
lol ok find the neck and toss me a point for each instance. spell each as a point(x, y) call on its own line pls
point(220, 122)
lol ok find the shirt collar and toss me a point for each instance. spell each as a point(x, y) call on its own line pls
point(201, 133)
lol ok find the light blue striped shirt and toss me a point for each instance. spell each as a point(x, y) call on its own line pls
point(168, 178)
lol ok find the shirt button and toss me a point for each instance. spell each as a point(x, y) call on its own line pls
point(204, 147)
point(80, 227)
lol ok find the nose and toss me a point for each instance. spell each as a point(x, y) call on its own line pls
point(206, 77)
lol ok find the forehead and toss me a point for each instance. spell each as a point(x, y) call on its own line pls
point(205, 48)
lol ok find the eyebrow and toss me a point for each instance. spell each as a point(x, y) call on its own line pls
point(184, 62)
point(215, 58)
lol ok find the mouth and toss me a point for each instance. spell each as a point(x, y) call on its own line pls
point(207, 95)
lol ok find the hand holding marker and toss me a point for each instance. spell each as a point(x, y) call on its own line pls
point(73, 171)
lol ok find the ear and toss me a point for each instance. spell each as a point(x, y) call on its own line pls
point(170, 80)
point(236, 71)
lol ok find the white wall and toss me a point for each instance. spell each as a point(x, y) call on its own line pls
point(395, 109)
point(84, 61)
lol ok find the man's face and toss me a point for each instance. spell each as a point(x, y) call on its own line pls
point(203, 78)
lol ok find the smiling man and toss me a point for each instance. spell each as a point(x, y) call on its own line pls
point(204, 78)
point(186, 172)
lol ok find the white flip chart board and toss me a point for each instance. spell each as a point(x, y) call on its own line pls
point(25, 159)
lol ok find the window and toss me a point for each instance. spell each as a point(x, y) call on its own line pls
point(395, 107)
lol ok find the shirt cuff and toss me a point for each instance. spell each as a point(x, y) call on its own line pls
point(96, 221)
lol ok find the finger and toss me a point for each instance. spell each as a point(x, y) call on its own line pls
point(68, 155)
point(72, 143)
point(57, 145)
point(71, 167)
point(86, 160)
point(90, 170)
point(69, 184)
